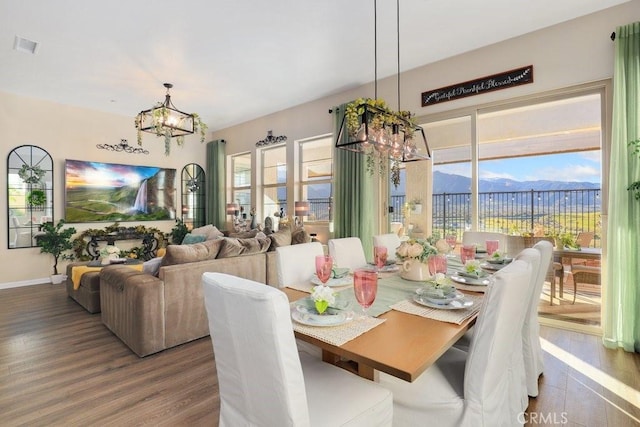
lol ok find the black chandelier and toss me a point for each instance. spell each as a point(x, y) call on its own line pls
point(122, 146)
point(270, 139)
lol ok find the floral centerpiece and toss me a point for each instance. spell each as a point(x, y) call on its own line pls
point(323, 297)
point(109, 252)
point(418, 249)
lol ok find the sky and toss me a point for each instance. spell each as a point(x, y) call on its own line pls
point(576, 167)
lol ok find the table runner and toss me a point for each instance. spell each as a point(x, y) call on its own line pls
point(451, 316)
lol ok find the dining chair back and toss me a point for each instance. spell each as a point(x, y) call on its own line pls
point(297, 263)
point(391, 241)
point(476, 387)
point(262, 378)
point(347, 252)
point(480, 237)
point(531, 348)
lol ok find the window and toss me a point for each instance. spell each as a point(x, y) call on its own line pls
point(316, 173)
point(274, 181)
point(241, 188)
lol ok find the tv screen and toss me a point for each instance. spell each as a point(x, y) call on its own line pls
point(97, 191)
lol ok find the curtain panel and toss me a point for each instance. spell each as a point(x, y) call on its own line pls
point(621, 316)
point(354, 202)
point(215, 188)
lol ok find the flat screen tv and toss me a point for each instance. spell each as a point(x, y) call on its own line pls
point(112, 192)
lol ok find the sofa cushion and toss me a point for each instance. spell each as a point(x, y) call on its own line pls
point(152, 266)
point(210, 231)
point(246, 234)
point(300, 236)
point(280, 238)
point(181, 254)
point(232, 246)
point(190, 239)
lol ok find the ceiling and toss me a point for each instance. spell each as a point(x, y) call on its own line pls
point(232, 61)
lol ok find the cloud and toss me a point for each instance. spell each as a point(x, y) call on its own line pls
point(569, 173)
point(592, 156)
point(485, 174)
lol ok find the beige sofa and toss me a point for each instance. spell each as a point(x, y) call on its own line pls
point(150, 314)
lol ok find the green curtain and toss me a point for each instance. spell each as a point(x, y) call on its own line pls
point(354, 202)
point(215, 183)
point(621, 322)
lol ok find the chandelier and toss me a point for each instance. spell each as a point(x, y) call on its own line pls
point(270, 139)
point(164, 119)
point(372, 128)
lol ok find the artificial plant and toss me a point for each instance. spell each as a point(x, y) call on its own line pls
point(56, 242)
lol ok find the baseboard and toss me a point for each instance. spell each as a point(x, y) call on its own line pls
point(570, 326)
point(32, 282)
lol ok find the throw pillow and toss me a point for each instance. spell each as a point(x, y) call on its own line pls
point(152, 266)
point(245, 234)
point(300, 236)
point(181, 254)
point(280, 238)
point(190, 239)
point(209, 231)
point(232, 247)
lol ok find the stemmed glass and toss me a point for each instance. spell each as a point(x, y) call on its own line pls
point(452, 241)
point(365, 287)
point(324, 264)
point(380, 254)
point(492, 246)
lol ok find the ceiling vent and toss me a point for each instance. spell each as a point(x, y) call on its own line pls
point(25, 45)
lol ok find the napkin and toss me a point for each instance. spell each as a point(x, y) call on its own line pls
point(339, 273)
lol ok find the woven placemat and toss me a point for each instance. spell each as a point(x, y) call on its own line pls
point(450, 316)
point(338, 335)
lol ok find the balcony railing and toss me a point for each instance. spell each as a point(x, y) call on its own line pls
point(551, 212)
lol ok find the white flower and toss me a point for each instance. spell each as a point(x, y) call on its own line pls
point(109, 251)
point(472, 266)
point(442, 246)
point(497, 255)
point(402, 250)
point(415, 250)
point(323, 293)
point(440, 279)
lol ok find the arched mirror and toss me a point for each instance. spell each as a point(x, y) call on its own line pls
point(193, 196)
point(29, 194)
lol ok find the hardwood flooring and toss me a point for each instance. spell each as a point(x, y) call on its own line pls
point(59, 366)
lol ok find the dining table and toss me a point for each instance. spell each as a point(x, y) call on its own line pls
point(401, 344)
point(594, 254)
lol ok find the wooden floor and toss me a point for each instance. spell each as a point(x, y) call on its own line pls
point(59, 366)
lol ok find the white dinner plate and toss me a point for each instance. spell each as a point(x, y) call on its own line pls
point(389, 268)
point(491, 266)
point(456, 304)
point(343, 281)
point(469, 281)
point(310, 317)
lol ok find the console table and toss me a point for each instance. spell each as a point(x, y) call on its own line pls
point(150, 243)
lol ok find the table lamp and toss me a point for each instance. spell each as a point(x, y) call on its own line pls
point(301, 209)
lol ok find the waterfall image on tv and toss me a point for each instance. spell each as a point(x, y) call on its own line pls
point(97, 191)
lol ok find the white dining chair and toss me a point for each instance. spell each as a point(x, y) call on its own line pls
point(474, 388)
point(263, 380)
point(480, 237)
point(297, 263)
point(532, 349)
point(347, 252)
point(391, 241)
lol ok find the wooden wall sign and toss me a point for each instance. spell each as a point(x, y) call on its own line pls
point(503, 80)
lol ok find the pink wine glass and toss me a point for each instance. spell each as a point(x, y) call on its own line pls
point(365, 287)
point(324, 264)
point(468, 252)
point(437, 264)
point(380, 255)
point(492, 246)
point(451, 240)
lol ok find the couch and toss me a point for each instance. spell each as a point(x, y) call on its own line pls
point(150, 314)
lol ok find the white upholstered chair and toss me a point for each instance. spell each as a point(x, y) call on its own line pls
point(480, 237)
point(391, 241)
point(297, 263)
point(263, 379)
point(347, 252)
point(474, 388)
point(532, 350)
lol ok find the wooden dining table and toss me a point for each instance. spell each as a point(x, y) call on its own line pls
point(404, 346)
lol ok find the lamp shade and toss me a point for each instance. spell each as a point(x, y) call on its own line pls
point(232, 208)
point(301, 208)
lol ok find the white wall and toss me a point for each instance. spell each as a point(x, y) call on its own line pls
point(72, 133)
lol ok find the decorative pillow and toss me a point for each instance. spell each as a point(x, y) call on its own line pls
point(152, 266)
point(300, 236)
point(280, 238)
point(160, 253)
point(245, 234)
point(209, 231)
point(181, 254)
point(190, 239)
point(232, 247)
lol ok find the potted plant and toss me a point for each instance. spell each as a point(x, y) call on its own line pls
point(55, 241)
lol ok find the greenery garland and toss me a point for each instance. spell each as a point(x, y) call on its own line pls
point(159, 115)
point(31, 174)
point(80, 243)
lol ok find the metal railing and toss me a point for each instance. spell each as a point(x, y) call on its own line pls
point(550, 212)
